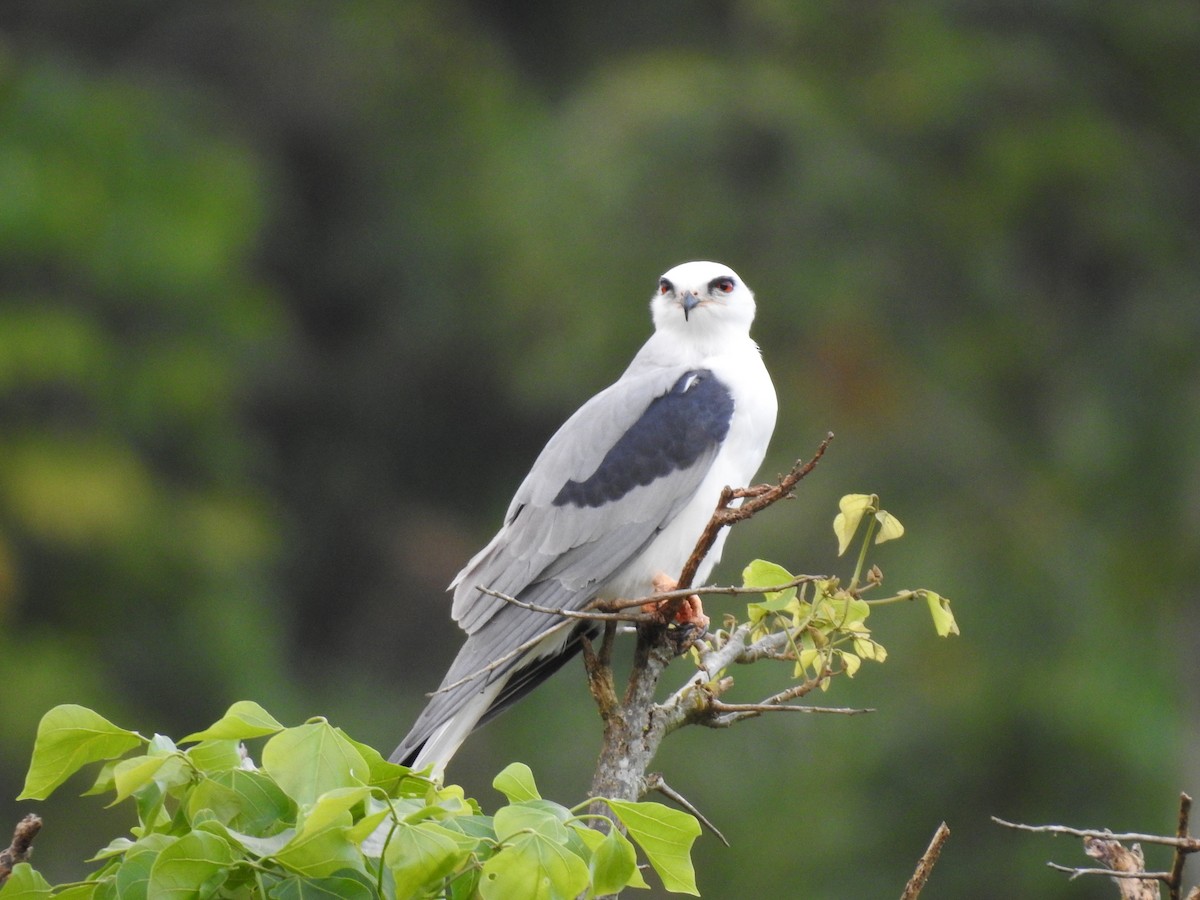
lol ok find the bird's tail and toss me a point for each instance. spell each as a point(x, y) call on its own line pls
point(472, 694)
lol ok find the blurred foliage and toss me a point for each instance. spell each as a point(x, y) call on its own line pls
point(292, 293)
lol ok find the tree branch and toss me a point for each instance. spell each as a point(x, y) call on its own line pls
point(1187, 844)
point(22, 845)
point(1126, 865)
point(756, 499)
point(926, 863)
point(635, 727)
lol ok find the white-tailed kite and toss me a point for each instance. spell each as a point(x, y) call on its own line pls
point(614, 505)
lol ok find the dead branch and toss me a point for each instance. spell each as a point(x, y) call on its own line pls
point(595, 613)
point(1187, 844)
point(756, 499)
point(655, 782)
point(22, 845)
point(1181, 834)
point(1126, 865)
point(926, 863)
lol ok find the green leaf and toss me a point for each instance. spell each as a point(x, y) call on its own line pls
point(421, 855)
point(104, 780)
point(889, 527)
point(850, 662)
point(265, 847)
point(68, 738)
point(534, 868)
point(244, 719)
point(217, 755)
point(394, 778)
point(116, 847)
point(85, 891)
point(537, 815)
point(247, 801)
point(666, 836)
point(760, 574)
point(25, 883)
point(310, 759)
point(136, 772)
point(193, 866)
point(614, 861)
point(853, 507)
point(133, 876)
point(869, 649)
point(319, 853)
point(350, 886)
point(516, 783)
point(809, 658)
point(331, 806)
point(943, 618)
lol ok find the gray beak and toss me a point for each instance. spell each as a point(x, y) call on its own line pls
point(690, 301)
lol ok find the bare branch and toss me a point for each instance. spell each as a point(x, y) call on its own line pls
point(655, 782)
point(1187, 844)
point(753, 709)
point(756, 499)
point(1126, 865)
point(507, 657)
point(22, 845)
point(574, 613)
point(1076, 871)
point(926, 863)
point(1181, 833)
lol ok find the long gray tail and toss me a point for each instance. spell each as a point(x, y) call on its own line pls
point(471, 694)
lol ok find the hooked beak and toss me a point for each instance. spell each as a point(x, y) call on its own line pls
point(689, 301)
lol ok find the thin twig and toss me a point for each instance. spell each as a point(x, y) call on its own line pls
point(1076, 871)
point(570, 613)
point(753, 709)
point(655, 782)
point(1187, 844)
point(501, 660)
point(926, 863)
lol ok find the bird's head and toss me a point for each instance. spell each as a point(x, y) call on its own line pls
point(702, 297)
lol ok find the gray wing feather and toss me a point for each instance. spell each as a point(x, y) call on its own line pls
point(579, 548)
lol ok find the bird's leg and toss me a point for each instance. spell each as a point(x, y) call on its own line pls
point(689, 611)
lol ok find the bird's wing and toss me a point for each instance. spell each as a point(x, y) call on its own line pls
point(614, 475)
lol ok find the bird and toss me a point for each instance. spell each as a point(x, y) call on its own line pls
point(613, 505)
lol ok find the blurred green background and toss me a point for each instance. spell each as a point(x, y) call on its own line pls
point(291, 294)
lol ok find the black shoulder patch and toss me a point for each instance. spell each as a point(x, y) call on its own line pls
point(673, 432)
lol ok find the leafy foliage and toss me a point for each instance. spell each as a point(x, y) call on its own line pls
point(826, 621)
point(327, 816)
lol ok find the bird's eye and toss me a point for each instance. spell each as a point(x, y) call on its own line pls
point(724, 284)
point(664, 286)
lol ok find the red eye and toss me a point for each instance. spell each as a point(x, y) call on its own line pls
point(724, 285)
point(664, 286)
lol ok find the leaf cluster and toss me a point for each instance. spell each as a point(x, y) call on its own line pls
point(326, 816)
point(825, 623)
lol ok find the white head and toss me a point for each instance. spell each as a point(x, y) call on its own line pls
point(702, 298)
